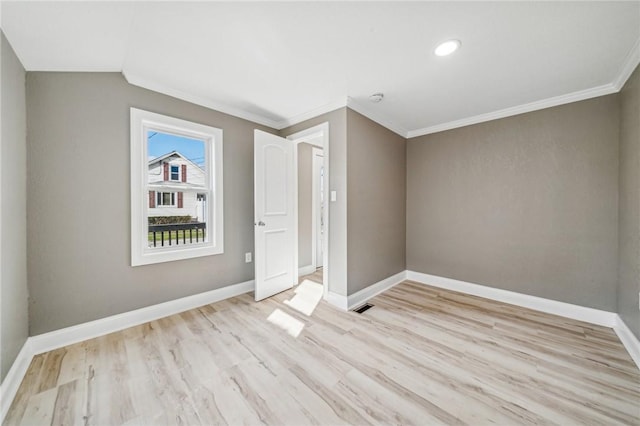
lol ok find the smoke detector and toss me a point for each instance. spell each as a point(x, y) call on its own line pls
point(376, 97)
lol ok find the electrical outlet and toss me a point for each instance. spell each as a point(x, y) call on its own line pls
point(247, 257)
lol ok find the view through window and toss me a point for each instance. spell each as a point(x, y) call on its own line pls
point(176, 189)
point(176, 177)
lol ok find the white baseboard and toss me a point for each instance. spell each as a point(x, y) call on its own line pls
point(67, 336)
point(306, 270)
point(628, 339)
point(13, 379)
point(568, 310)
point(365, 294)
point(337, 300)
point(88, 330)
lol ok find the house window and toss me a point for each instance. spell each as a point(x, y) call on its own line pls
point(176, 189)
point(166, 199)
point(175, 173)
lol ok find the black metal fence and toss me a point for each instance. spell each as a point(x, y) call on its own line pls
point(173, 233)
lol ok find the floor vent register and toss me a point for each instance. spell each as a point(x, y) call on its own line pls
point(363, 308)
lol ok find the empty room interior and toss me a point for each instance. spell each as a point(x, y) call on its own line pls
point(320, 213)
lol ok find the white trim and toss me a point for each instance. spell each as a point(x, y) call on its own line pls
point(67, 336)
point(319, 136)
point(581, 95)
point(630, 63)
point(296, 119)
point(337, 300)
point(312, 135)
point(367, 293)
point(306, 270)
point(212, 138)
point(568, 310)
point(13, 379)
point(628, 339)
point(372, 115)
point(198, 100)
point(89, 330)
point(316, 213)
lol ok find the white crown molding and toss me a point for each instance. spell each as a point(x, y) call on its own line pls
point(373, 290)
point(568, 310)
point(198, 100)
point(581, 95)
point(332, 106)
point(13, 379)
point(376, 116)
point(630, 63)
point(628, 339)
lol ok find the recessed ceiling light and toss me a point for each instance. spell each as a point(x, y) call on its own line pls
point(447, 48)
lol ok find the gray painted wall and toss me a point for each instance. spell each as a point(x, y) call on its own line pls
point(526, 203)
point(337, 268)
point(376, 210)
point(79, 202)
point(629, 245)
point(305, 204)
point(14, 319)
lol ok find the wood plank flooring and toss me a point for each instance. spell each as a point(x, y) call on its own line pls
point(315, 277)
point(421, 356)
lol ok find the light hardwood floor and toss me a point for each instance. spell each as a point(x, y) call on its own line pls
point(421, 356)
point(315, 277)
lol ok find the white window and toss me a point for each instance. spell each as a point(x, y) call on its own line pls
point(175, 173)
point(166, 199)
point(173, 217)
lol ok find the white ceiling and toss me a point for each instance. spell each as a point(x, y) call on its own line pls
point(279, 63)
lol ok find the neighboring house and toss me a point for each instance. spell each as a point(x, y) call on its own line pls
point(174, 182)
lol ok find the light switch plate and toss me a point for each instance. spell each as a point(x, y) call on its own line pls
point(334, 196)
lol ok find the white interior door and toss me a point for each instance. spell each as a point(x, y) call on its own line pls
point(274, 215)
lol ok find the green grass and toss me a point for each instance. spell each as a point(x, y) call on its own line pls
point(201, 236)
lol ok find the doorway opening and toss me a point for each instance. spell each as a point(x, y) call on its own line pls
point(311, 193)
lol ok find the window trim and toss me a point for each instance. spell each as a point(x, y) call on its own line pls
point(171, 166)
point(173, 197)
point(141, 122)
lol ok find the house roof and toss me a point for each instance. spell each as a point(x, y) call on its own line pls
point(169, 155)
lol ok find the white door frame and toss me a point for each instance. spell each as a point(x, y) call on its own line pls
point(315, 205)
point(318, 136)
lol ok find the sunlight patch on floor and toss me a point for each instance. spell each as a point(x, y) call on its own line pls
point(307, 296)
point(286, 322)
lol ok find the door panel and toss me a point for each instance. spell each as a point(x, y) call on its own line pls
point(274, 219)
point(275, 179)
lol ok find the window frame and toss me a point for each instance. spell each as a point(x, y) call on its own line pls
point(141, 122)
point(160, 196)
point(171, 166)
